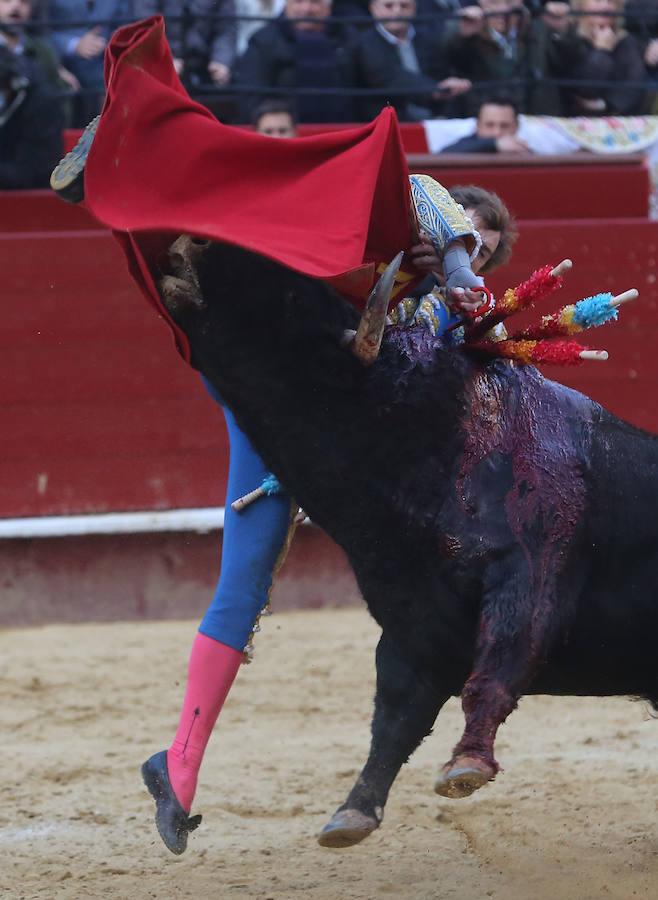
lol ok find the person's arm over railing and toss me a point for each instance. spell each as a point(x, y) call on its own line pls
point(224, 38)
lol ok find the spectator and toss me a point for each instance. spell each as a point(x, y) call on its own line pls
point(269, 9)
point(312, 53)
point(496, 130)
point(81, 47)
point(604, 51)
point(275, 118)
point(30, 127)
point(497, 43)
point(203, 47)
point(394, 56)
point(15, 16)
point(642, 23)
point(352, 8)
point(441, 12)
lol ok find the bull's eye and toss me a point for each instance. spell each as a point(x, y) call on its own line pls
point(200, 242)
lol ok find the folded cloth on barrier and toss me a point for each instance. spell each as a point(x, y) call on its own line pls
point(333, 206)
point(556, 135)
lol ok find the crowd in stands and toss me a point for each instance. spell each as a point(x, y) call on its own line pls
point(337, 61)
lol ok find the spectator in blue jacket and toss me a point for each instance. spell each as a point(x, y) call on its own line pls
point(81, 46)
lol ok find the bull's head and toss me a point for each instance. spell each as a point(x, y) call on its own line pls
point(182, 290)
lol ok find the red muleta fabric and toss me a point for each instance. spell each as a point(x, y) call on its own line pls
point(333, 206)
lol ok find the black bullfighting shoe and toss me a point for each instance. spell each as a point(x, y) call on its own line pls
point(68, 176)
point(171, 820)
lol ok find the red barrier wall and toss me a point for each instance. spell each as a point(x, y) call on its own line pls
point(581, 185)
point(99, 413)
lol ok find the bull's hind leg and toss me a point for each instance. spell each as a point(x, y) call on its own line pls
point(405, 710)
point(514, 630)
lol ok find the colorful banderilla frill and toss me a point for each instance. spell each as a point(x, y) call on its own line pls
point(550, 341)
point(270, 485)
point(540, 284)
point(572, 319)
point(534, 353)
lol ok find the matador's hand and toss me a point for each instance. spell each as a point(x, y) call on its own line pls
point(424, 256)
point(464, 300)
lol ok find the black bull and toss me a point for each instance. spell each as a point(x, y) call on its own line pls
point(502, 527)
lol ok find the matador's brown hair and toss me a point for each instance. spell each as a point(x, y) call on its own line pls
point(494, 215)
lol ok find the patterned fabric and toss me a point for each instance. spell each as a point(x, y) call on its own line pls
point(440, 217)
point(553, 134)
point(608, 134)
point(432, 312)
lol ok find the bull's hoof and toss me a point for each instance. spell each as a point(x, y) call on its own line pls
point(347, 828)
point(463, 776)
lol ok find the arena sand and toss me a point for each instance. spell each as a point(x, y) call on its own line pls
point(573, 816)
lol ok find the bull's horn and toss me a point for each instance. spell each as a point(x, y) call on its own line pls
point(368, 337)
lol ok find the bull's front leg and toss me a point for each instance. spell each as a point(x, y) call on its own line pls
point(515, 628)
point(406, 707)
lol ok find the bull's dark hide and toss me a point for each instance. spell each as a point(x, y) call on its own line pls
point(502, 527)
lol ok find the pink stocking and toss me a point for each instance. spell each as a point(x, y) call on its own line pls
point(211, 671)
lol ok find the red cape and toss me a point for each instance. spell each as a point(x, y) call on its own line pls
point(333, 206)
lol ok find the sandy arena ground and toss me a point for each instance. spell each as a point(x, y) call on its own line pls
point(573, 817)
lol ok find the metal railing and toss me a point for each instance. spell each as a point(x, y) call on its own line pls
point(522, 86)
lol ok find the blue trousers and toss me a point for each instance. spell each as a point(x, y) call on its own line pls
point(253, 542)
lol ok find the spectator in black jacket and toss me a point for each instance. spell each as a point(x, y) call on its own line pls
point(203, 46)
point(606, 52)
point(642, 23)
point(396, 57)
point(30, 127)
point(496, 44)
point(16, 17)
point(441, 13)
point(310, 53)
point(495, 132)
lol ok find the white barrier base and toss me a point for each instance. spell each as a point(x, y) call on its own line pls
point(200, 520)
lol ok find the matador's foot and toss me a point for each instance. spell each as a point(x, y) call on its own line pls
point(171, 820)
point(68, 176)
point(463, 775)
point(346, 828)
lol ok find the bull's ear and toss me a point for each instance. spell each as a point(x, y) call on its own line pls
point(367, 340)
